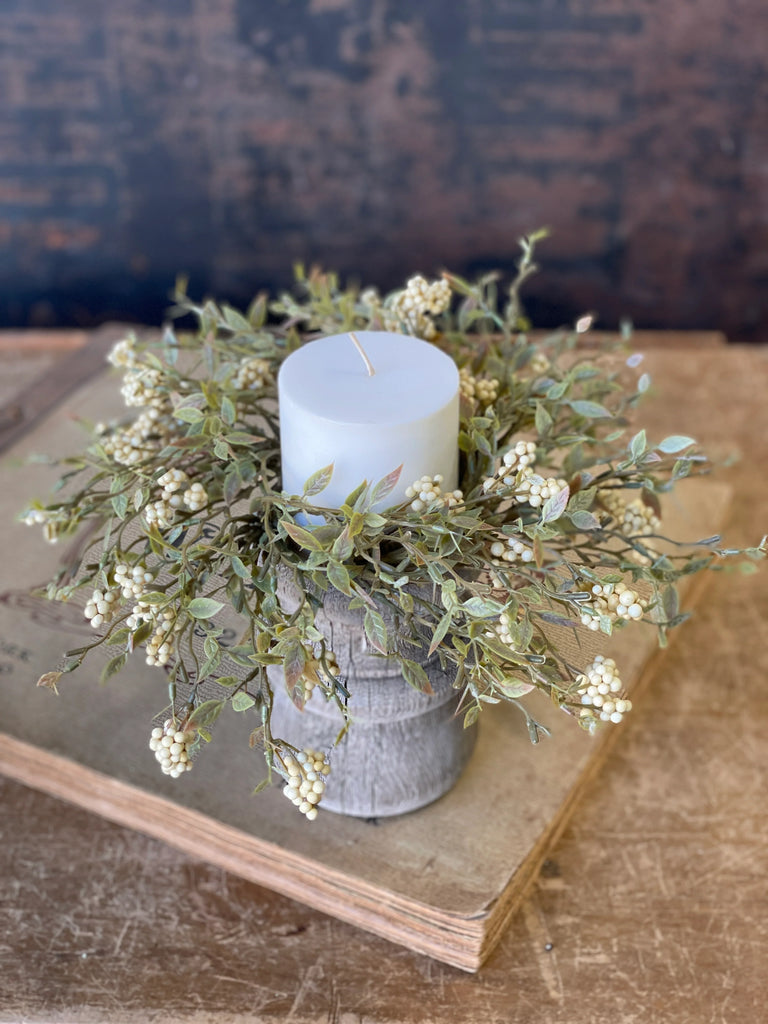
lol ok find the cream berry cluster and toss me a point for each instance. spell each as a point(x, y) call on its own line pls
point(504, 553)
point(617, 602)
point(417, 304)
point(169, 746)
point(141, 387)
point(162, 644)
point(253, 374)
point(306, 780)
point(132, 580)
point(513, 462)
point(503, 630)
point(123, 353)
point(195, 497)
point(52, 528)
point(172, 497)
point(149, 432)
point(634, 518)
point(535, 490)
point(427, 491)
point(485, 390)
point(600, 688)
point(539, 363)
point(102, 606)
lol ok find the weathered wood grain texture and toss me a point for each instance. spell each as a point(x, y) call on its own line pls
point(406, 748)
point(653, 901)
point(229, 138)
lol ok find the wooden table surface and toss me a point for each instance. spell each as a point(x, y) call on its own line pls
point(652, 908)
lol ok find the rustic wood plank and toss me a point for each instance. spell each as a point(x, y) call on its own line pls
point(38, 398)
point(653, 901)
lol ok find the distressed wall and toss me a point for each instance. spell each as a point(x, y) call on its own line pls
point(227, 138)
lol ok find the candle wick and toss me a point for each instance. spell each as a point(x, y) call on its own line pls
point(363, 354)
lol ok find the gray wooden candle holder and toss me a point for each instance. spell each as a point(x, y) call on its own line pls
point(404, 748)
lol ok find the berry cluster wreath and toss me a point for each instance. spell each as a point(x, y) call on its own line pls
point(555, 522)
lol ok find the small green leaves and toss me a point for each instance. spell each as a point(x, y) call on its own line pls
point(513, 688)
point(242, 701)
point(592, 410)
point(204, 607)
point(542, 419)
point(554, 507)
point(338, 577)
point(376, 630)
point(386, 485)
point(205, 714)
point(637, 445)
point(301, 536)
point(318, 481)
point(482, 607)
point(584, 520)
point(120, 505)
point(239, 568)
point(675, 443)
point(415, 676)
point(188, 414)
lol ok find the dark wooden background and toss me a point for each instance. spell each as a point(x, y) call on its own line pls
point(227, 138)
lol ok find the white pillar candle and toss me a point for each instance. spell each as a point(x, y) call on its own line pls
point(333, 411)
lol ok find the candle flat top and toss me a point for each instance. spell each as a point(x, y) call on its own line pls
point(328, 378)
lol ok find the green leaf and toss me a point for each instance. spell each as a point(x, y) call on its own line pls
point(675, 443)
point(482, 607)
point(355, 496)
point(318, 481)
point(542, 419)
point(113, 666)
point(240, 437)
point(471, 717)
point(514, 688)
point(120, 505)
point(236, 321)
point(356, 524)
point(203, 607)
point(205, 714)
point(584, 520)
point(375, 630)
point(638, 445)
point(342, 547)
point(440, 631)
point(582, 499)
point(415, 676)
point(556, 391)
point(386, 485)
point(302, 537)
point(240, 568)
point(592, 410)
point(228, 410)
point(338, 577)
point(294, 662)
point(188, 414)
point(374, 521)
point(242, 701)
point(554, 507)
point(644, 383)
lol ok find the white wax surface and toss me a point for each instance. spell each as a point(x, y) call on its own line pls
point(331, 411)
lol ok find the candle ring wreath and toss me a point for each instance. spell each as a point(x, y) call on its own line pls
point(555, 520)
